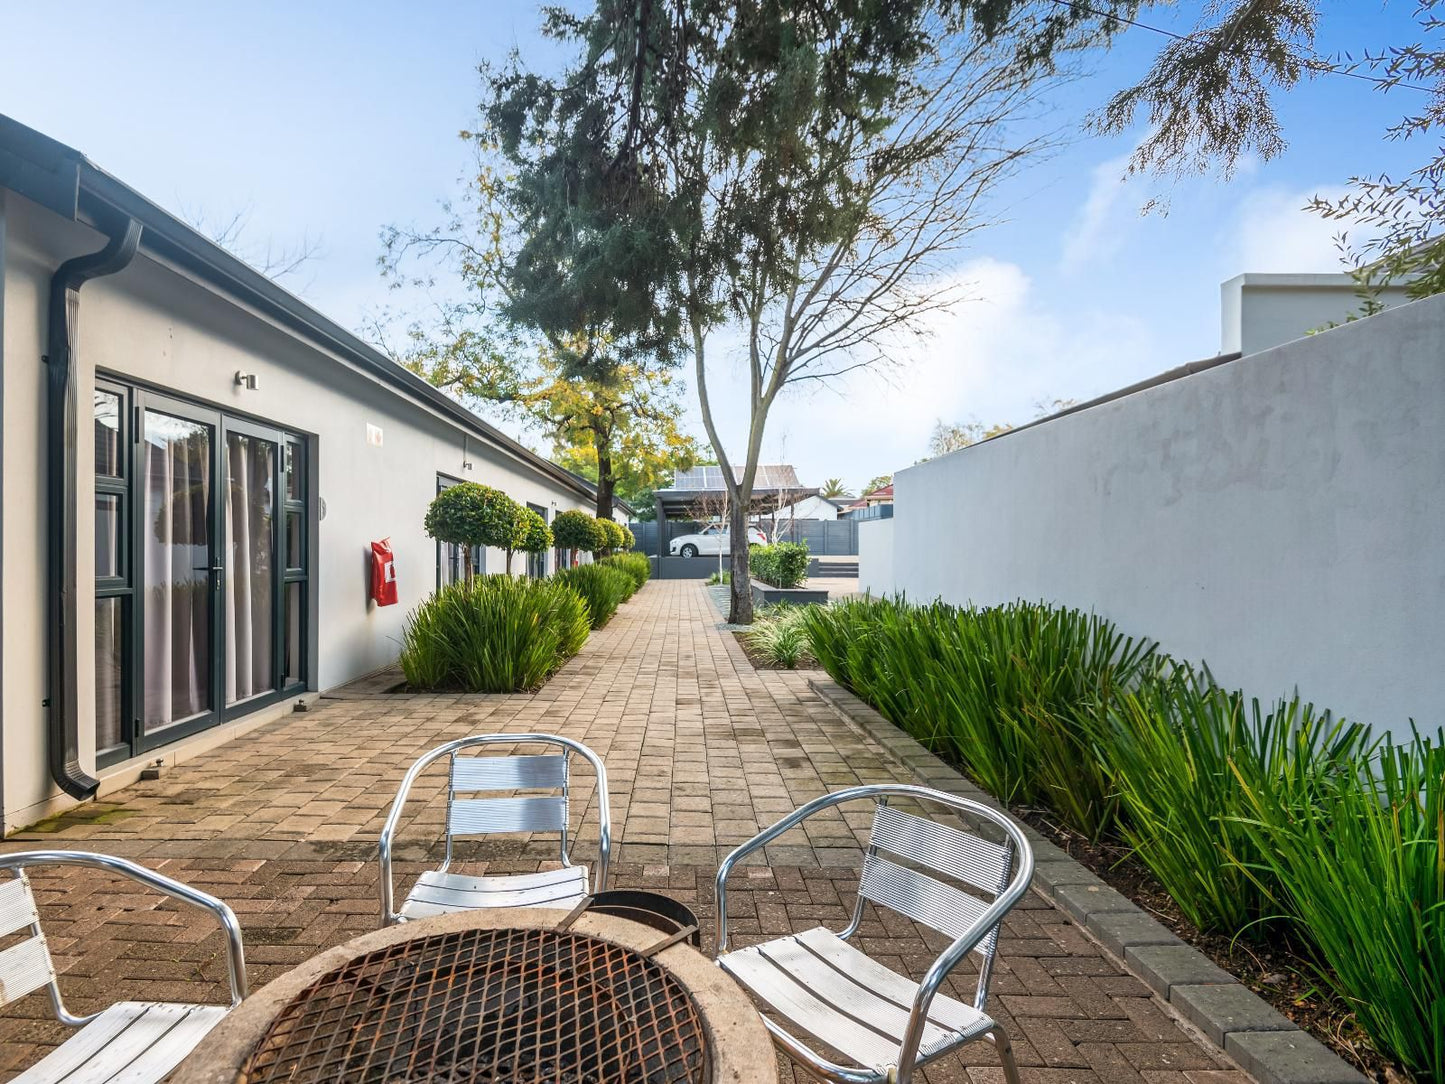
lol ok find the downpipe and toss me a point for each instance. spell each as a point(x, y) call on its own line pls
point(62, 430)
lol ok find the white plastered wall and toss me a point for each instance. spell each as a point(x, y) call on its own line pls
point(153, 325)
point(1280, 517)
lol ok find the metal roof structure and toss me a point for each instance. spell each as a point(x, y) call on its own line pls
point(702, 491)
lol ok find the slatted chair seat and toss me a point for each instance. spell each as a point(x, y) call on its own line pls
point(132, 1042)
point(442, 891)
point(848, 1000)
point(437, 893)
point(885, 1024)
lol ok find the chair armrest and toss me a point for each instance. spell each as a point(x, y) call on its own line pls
point(604, 813)
point(194, 897)
point(388, 829)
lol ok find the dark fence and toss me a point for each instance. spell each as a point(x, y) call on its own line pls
point(825, 537)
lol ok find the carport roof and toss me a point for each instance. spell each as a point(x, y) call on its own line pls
point(703, 489)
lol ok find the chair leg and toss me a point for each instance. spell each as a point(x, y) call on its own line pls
point(1006, 1054)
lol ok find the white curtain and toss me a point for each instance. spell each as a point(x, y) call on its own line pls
point(177, 559)
point(250, 469)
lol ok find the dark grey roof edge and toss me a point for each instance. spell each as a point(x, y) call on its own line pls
point(63, 180)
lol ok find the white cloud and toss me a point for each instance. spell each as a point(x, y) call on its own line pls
point(1276, 233)
point(1101, 225)
point(991, 358)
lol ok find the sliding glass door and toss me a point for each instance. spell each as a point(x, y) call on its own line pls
point(200, 592)
point(180, 569)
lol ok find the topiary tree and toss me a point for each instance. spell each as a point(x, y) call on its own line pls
point(470, 514)
point(536, 535)
point(612, 538)
point(629, 540)
point(576, 531)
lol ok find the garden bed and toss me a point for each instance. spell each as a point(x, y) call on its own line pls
point(1279, 972)
point(762, 661)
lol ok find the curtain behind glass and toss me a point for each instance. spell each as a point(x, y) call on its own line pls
point(176, 569)
point(250, 542)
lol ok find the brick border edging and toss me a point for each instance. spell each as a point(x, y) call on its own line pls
point(1266, 1044)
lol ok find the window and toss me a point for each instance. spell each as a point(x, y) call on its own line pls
point(202, 567)
point(450, 566)
point(537, 562)
point(113, 589)
point(295, 560)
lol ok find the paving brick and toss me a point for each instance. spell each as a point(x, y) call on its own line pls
point(701, 751)
point(1220, 1010)
point(1288, 1057)
point(1166, 966)
point(1119, 931)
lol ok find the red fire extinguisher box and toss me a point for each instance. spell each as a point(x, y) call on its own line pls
point(383, 573)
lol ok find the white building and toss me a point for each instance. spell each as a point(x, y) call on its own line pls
point(1258, 311)
point(195, 464)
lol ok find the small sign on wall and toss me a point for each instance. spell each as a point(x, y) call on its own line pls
point(373, 435)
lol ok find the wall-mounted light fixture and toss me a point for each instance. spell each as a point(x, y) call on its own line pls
point(466, 456)
point(246, 380)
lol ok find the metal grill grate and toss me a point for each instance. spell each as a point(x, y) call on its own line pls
point(488, 1007)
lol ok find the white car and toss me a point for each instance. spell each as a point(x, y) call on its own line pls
point(713, 539)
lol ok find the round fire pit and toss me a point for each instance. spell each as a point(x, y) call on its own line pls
point(495, 997)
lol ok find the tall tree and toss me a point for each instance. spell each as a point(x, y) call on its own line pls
point(801, 173)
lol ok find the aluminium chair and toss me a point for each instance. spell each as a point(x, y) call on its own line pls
point(883, 1022)
point(131, 1042)
point(441, 891)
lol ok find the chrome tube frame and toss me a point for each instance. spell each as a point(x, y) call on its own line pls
point(950, 958)
point(193, 897)
point(393, 818)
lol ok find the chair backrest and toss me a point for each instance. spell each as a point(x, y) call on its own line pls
point(959, 856)
point(473, 774)
point(26, 965)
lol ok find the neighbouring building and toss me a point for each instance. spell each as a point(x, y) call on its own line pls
point(1258, 311)
point(194, 466)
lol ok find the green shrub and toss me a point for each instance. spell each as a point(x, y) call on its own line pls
point(780, 637)
point(1013, 694)
point(575, 530)
point(629, 540)
point(783, 564)
point(613, 536)
point(720, 577)
point(601, 587)
point(536, 535)
point(470, 514)
point(1181, 735)
point(492, 634)
point(635, 565)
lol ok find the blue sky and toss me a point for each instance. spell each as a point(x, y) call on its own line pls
point(331, 120)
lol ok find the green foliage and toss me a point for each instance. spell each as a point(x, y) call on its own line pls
point(492, 634)
point(782, 564)
point(614, 535)
point(724, 577)
point(536, 535)
point(1180, 734)
point(1362, 873)
point(629, 540)
point(576, 530)
point(1247, 815)
point(780, 637)
point(636, 565)
point(1013, 694)
point(471, 514)
point(601, 588)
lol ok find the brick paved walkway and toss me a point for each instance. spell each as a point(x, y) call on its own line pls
point(702, 751)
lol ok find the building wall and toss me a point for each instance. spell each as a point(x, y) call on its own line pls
point(875, 556)
point(1260, 311)
point(152, 324)
point(1280, 517)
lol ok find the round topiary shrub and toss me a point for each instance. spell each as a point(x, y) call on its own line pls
point(470, 514)
point(536, 535)
point(575, 530)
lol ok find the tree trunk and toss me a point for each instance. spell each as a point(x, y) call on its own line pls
point(509, 562)
point(466, 564)
point(740, 607)
point(606, 483)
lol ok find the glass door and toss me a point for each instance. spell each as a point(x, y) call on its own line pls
point(176, 534)
point(251, 582)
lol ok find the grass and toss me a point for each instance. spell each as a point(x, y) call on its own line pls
point(1249, 815)
point(635, 565)
point(494, 634)
point(778, 636)
point(601, 587)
